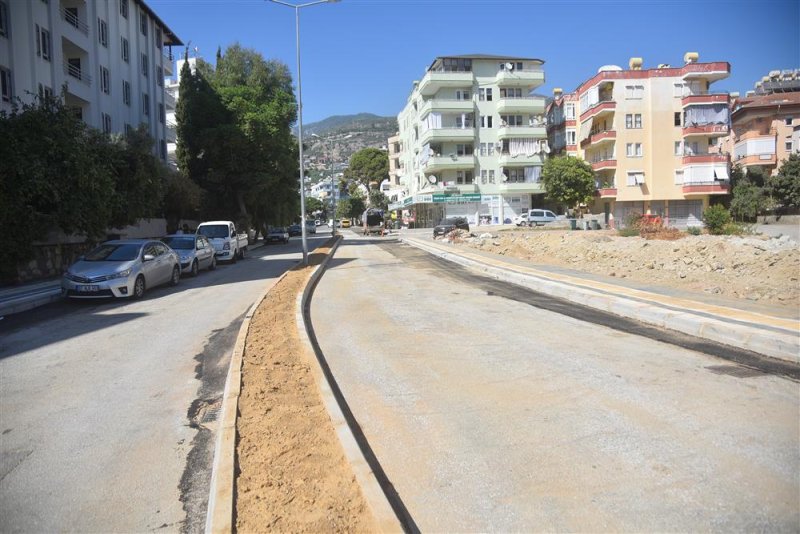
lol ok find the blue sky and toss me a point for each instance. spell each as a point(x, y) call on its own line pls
point(362, 55)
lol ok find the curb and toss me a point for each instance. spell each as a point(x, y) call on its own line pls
point(382, 510)
point(219, 516)
point(24, 302)
point(776, 342)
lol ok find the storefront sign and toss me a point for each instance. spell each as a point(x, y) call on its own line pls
point(457, 198)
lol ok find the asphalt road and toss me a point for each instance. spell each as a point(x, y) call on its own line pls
point(107, 409)
point(490, 411)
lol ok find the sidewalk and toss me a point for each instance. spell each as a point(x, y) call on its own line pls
point(753, 326)
point(28, 296)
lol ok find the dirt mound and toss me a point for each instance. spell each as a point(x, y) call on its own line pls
point(292, 475)
point(754, 268)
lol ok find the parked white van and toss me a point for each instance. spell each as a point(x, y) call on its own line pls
point(228, 244)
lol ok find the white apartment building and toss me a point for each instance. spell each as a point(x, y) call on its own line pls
point(473, 140)
point(111, 56)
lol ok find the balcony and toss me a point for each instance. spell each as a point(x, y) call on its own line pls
point(167, 62)
point(757, 159)
point(522, 187)
point(507, 160)
point(601, 108)
point(77, 73)
point(599, 137)
point(602, 164)
point(447, 134)
point(607, 192)
point(433, 81)
point(710, 130)
point(521, 131)
point(707, 188)
point(694, 159)
point(525, 104)
point(520, 78)
point(76, 31)
point(460, 189)
point(718, 98)
point(74, 20)
point(446, 105)
point(454, 162)
point(712, 72)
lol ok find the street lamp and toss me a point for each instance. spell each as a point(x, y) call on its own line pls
point(296, 8)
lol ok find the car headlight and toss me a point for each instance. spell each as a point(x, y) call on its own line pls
point(69, 276)
point(121, 274)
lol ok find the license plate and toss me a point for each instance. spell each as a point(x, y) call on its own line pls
point(88, 289)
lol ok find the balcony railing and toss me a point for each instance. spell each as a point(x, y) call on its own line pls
point(77, 73)
point(73, 20)
point(600, 164)
point(705, 98)
point(598, 136)
point(691, 159)
point(599, 107)
point(716, 187)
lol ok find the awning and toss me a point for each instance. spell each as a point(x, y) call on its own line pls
point(721, 173)
point(586, 128)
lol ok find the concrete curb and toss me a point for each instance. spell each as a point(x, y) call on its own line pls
point(774, 341)
point(30, 300)
point(377, 501)
point(219, 516)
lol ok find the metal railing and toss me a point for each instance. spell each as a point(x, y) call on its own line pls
point(73, 20)
point(77, 73)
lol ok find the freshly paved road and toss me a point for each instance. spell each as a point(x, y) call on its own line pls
point(107, 408)
point(489, 413)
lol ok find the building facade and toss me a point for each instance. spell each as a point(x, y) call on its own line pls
point(473, 140)
point(110, 57)
point(765, 123)
point(651, 137)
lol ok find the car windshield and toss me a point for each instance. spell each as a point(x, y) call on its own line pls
point(114, 252)
point(180, 243)
point(212, 231)
point(278, 230)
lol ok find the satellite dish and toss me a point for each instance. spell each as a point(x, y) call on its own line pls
point(510, 66)
point(432, 179)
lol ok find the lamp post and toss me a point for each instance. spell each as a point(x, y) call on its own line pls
point(297, 8)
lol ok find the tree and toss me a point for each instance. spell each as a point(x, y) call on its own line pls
point(182, 200)
point(716, 218)
point(378, 200)
point(568, 180)
point(368, 165)
point(349, 208)
point(313, 205)
point(784, 187)
point(748, 200)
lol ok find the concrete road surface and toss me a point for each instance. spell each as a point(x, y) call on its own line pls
point(107, 409)
point(489, 413)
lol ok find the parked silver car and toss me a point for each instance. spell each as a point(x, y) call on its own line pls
point(194, 250)
point(122, 268)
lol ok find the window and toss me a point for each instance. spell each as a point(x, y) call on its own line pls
point(634, 92)
point(464, 121)
point(126, 50)
point(102, 32)
point(635, 178)
point(158, 43)
point(483, 149)
point(569, 110)
point(511, 92)
point(123, 8)
point(463, 95)
point(511, 120)
point(570, 137)
point(161, 114)
point(677, 118)
point(105, 81)
point(143, 23)
point(45, 92)
point(788, 145)
point(679, 89)
point(515, 175)
point(128, 129)
point(484, 174)
point(145, 65)
point(163, 146)
point(43, 43)
point(145, 104)
point(491, 176)
point(633, 150)
point(6, 92)
point(679, 177)
point(633, 120)
point(787, 121)
point(464, 150)
point(456, 65)
point(3, 20)
point(678, 148)
point(126, 93)
point(159, 76)
point(464, 177)
point(106, 123)
point(486, 121)
point(485, 94)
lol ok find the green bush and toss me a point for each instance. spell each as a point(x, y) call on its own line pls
point(629, 231)
point(716, 217)
point(736, 228)
point(694, 230)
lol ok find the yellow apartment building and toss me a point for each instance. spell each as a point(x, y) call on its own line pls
point(651, 136)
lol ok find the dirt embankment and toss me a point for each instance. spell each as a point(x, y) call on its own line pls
point(753, 267)
point(292, 475)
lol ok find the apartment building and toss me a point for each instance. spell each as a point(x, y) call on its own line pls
point(109, 56)
point(562, 129)
point(765, 123)
point(473, 140)
point(392, 187)
point(651, 136)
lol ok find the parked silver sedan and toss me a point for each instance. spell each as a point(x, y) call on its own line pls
point(122, 268)
point(194, 250)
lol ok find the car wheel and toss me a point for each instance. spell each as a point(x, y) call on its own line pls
point(138, 287)
point(213, 265)
point(176, 276)
point(195, 268)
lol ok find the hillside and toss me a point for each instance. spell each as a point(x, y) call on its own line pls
point(337, 138)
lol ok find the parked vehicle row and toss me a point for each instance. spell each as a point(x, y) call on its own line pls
point(535, 217)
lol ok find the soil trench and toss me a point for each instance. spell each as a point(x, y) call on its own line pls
point(292, 475)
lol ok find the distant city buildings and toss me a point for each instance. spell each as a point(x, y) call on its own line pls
point(650, 135)
point(108, 55)
point(472, 140)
